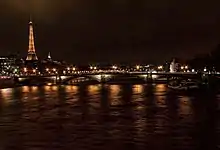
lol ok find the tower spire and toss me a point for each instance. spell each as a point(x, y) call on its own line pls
point(30, 21)
point(31, 48)
point(49, 56)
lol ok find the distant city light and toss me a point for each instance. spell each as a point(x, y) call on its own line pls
point(47, 69)
point(114, 67)
point(34, 70)
point(186, 67)
point(74, 68)
point(160, 67)
point(54, 69)
point(182, 67)
point(193, 70)
point(138, 67)
point(205, 69)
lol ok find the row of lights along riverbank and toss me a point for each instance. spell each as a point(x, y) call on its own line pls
point(72, 70)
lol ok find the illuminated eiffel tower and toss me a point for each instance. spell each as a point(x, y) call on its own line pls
point(31, 48)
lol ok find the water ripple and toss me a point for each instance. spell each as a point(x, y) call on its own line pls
point(107, 117)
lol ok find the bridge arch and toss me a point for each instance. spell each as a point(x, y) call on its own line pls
point(95, 77)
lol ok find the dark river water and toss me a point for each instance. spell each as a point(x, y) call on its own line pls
point(106, 117)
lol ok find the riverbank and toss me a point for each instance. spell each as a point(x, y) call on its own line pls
point(7, 83)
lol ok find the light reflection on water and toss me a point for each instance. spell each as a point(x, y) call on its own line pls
point(6, 96)
point(114, 96)
point(106, 117)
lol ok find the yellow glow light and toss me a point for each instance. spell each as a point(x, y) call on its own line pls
point(114, 67)
point(160, 67)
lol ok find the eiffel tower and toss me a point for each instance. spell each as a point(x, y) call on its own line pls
point(31, 48)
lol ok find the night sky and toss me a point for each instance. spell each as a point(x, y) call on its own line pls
point(114, 31)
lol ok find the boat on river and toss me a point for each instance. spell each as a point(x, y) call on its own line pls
point(183, 85)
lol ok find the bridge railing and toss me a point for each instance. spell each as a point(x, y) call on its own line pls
point(117, 72)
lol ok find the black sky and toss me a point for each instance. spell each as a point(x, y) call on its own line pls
point(85, 31)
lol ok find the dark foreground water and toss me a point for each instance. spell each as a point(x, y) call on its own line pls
point(119, 117)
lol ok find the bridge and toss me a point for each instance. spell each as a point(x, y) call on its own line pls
point(108, 76)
